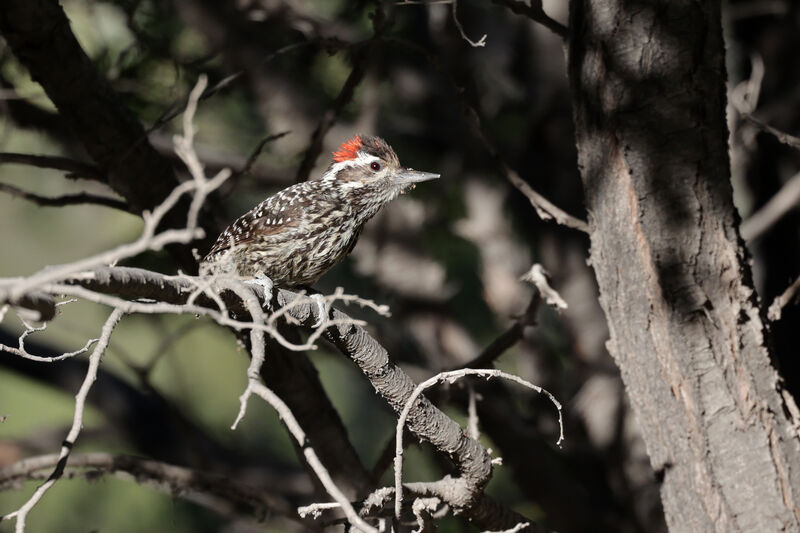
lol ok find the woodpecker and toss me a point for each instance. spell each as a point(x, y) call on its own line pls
point(298, 234)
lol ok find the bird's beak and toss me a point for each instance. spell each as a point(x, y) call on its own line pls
point(408, 176)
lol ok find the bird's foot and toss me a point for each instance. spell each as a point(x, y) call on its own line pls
point(322, 308)
point(265, 283)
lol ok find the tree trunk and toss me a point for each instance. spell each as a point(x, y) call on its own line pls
point(648, 89)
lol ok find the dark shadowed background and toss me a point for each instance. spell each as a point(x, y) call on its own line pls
point(447, 258)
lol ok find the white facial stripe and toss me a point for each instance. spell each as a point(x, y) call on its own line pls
point(363, 158)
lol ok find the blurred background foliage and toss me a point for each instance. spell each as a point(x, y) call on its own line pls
point(447, 258)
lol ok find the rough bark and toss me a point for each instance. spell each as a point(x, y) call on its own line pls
point(648, 87)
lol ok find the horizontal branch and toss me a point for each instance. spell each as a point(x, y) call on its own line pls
point(68, 199)
point(221, 493)
point(73, 168)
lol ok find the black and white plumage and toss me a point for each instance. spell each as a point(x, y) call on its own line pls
point(298, 234)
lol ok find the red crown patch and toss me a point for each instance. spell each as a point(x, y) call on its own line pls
point(348, 150)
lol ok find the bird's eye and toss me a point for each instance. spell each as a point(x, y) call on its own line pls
point(375, 166)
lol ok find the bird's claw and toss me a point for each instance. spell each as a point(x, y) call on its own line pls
point(265, 283)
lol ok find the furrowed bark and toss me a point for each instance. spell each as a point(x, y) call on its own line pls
point(648, 89)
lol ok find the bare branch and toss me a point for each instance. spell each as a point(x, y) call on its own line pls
point(75, 169)
point(544, 207)
point(423, 509)
point(475, 44)
point(786, 199)
point(782, 136)
point(22, 352)
point(507, 339)
point(311, 456)
point(77, 423)
point(255, 386)
point(782, 300)
point(69, 199)
point(538, 276)
point(149, 239)
point(331, 116)
point(223, 494)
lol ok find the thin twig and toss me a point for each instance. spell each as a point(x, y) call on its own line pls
point(537, 275)
point(255, 386)
point(68, 199)
point(480, 43)
point(781, 301)
point(782, 136)
point(543, 207)
point(77, 422)
point(29, 329)
point(311, 457)
point(251, 159)
point(74, 169)
point(345, 96)
point(331, 116)
point(507, 339)
point(786, 199)
point(22, 351)
point(149, 239)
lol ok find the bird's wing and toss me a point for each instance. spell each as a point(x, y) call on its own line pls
point(278, 215)
point(354, 240)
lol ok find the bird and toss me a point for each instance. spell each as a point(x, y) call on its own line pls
point(295, 236)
